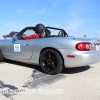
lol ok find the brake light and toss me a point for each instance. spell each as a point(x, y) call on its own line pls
point(84, 46)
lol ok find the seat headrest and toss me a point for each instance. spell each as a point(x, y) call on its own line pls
point(61, 33)
point(48, 32)
point(45, 33)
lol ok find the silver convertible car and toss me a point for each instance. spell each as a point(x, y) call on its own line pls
point(53, 51)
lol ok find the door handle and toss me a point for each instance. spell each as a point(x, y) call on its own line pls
point(26, 44)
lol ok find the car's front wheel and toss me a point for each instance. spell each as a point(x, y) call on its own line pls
point(51, 61)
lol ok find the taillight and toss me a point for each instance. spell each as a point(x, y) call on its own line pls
point(84, 46)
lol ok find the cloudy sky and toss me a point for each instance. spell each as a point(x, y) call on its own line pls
point(77, 17)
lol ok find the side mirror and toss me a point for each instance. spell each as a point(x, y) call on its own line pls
point(15, 38)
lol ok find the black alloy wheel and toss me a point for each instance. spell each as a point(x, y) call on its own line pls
point(51, 61)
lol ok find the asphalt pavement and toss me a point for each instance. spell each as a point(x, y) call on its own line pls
point(20, 81)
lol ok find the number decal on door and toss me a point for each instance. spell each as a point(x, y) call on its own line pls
point(17, 47)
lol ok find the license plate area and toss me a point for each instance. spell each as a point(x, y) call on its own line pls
point(97, 47)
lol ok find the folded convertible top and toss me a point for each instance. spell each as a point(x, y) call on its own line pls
point(10, 35)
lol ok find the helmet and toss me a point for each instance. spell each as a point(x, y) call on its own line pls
point(39, 28)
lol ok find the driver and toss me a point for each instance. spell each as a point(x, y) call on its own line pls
point(38, 30)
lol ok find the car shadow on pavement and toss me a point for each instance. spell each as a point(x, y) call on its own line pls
point(36, 67)
point(75, 70)
point(65, 70)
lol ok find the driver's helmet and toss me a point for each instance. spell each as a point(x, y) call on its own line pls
point(39, 28)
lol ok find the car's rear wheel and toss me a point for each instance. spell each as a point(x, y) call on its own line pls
point(1, 56)
point(51, 61)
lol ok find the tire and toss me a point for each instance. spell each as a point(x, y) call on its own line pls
point(1, 56)
point(51, 62)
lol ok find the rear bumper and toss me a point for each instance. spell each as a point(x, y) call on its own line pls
point(81, 58)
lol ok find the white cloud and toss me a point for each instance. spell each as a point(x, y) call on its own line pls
point(54, 3)
point(41, 11)
point(21, 11)
point(34, 1)
point(73, 25)
point(56, 24)
point(14, 25)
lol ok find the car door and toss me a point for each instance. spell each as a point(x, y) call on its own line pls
point(20, 49)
